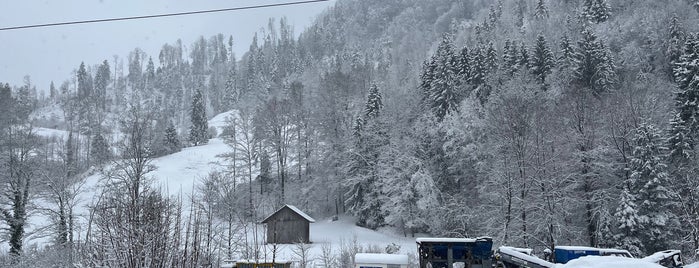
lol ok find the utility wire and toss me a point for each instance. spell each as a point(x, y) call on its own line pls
point(160, 15)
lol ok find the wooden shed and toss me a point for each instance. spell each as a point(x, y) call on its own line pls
point(288, 225)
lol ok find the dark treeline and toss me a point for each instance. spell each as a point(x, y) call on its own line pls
point(536, 122)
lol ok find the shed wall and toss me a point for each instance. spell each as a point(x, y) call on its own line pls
point(287, 227)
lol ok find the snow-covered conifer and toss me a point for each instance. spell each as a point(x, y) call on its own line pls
point(171, 141)
point(594, 65)
point(676, 42)
point(523, 56)
point(567, 52)
point(510, 57)
point(443, 95)
point(541, 11)
point(199, 131)
point(99, 151)
point(656, 199)
point(373, 103)
point(542, 59)
point(628, 223)
point(596, 11)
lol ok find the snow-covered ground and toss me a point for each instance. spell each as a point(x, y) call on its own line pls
point(221, 120)
point(607, 262)
point(344, 233)
point(49, 132)
point(179, 172)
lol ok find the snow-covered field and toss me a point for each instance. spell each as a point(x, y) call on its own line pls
point(343, 233)
point(179, 172)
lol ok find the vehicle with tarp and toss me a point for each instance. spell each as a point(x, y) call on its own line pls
point(564, 254)
point(455, 252)
point(668, 258)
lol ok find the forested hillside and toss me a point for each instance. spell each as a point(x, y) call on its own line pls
point(535, 122)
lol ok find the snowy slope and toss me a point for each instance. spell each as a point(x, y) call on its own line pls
point(220, 121)
point(179, 172)
point(175, 174)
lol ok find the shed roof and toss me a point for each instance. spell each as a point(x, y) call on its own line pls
point(450, 240)
point(376, 258)
point(295, 210)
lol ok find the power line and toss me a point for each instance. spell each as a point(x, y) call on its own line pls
point(160, 15)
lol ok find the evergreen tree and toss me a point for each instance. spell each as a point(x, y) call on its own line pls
point(521, 12)
point(687, 67)
point(681, 141)
point(135, 69)
point(684, 125)
point(149, 76)
point(199, 131)
point(99, 150)
point(265, 177)
point(523, 56)
point(7, 115)
point(567, 52)
point(426, 78)
point(684, 128)
point(84, 86)
point(442, 95)
point(24, 102)
point(542, 59)
point(364, 195)
point(462, 66)
point(628, 221)
point(676, 40)
point(53, 92)
point(102, 78)
point(478, 68)
point(657, 205)
point(373, 104)
point(594, 66)
point(231, 90)
point(510, 57)
point(694, 3)
point(484, 61)
point(171, 141)
point(596, 11)
point(541, 11)
point(491, 57)
point(358, 127)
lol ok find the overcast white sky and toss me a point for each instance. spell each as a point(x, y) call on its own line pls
point(52, 53)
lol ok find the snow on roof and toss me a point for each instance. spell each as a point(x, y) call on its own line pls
point(583, 248)
point(658, 256)
point(448, 239)
point(295, 209)
point(517, 252)
point(376, 258)
point(263, 261)
point(607, 262)
point(527, 251)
